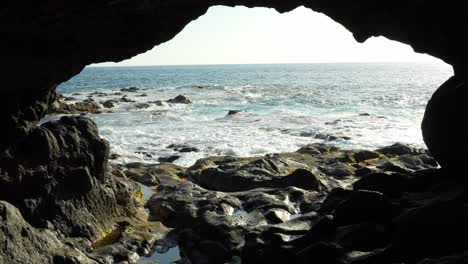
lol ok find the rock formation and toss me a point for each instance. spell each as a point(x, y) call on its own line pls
point(55, 175)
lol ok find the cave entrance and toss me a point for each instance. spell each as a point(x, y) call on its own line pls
point(376, 97)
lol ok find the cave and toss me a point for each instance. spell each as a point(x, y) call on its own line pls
point(61, 201)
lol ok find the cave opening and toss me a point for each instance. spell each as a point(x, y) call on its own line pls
point(262, 160)
point(352, 95)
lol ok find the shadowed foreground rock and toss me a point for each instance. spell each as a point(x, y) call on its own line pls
point(380, 216)
point(58, 175)
point(443, 128)
point(55, 186)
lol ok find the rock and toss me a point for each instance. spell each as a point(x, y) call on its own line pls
point(338, 169)
point(397, 149)
point(130, 89)
point(326, 137)
point(182, 148)
point(362, 171)
point(365, 206)
point(108, 104)
point(188, 149)
point(180, 99)
point(233, 112)
point(159, 103)
point(441, 125)
point(327, 253)
point(363, 155)
point(364, 237)
point(364, 114)
point(22, 243)
point(143, 177)
point(141, 105)
point(114, 156)
point(389, 184)
point(169, 159)
point(316, 149)
point(433, 230)
point(277, 215)
point(72, 182)
point(99, 94)
point(126, 100)
point(454, 259)
point(256, 174)
point(87, 107)
point(152, 174)
point(336, 197)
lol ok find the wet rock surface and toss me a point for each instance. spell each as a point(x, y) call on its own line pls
point(226, 209)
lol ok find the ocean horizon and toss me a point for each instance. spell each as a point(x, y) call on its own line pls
point(280, 107)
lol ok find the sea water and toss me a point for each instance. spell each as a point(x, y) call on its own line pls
point(284, 107)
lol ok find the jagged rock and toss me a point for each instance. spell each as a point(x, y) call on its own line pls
point(180, 99)
point(259, 173)
point(23, 243)
point(397, 149)
point(152, 174)
point(63, 165)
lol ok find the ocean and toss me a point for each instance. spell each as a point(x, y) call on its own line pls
point(284, 107)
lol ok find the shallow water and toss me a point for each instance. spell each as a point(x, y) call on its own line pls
point(168, 257)
point(285, 107)
point(147, 192)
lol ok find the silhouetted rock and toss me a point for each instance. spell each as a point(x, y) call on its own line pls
point(130, 89)
point(169, 159)
point(180, 99)
point(233, 112)
point(442, 126)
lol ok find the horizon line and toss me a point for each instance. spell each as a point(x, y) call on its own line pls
point(274, 63)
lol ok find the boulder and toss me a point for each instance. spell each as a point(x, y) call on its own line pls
point(109, 104)
point(180, 99)
point(442, 126)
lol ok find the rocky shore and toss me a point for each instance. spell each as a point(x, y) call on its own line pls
point(99, 102)
point(320, 203)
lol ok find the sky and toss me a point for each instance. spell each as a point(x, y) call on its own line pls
point(226, 35)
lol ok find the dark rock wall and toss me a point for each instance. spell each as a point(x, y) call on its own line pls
point(57, 175)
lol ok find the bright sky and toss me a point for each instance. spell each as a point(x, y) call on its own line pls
point(241, 35)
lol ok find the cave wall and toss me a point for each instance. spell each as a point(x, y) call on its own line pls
point(46, 43)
